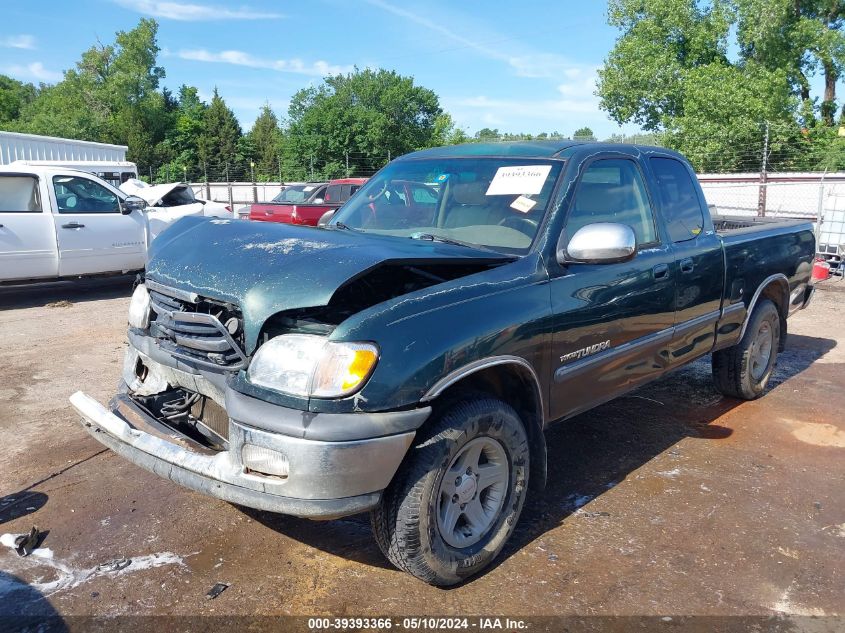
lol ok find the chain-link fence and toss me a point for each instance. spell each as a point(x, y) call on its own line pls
point(274, 169)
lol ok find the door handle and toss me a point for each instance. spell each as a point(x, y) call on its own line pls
point(687, 265)
point(661, 271)
point(73, 225)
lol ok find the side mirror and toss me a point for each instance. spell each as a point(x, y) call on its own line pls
point(317, 201)
point(324, 219)
point(599, 243)
point(132, 203)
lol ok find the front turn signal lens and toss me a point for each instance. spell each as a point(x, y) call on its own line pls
point(343, 369)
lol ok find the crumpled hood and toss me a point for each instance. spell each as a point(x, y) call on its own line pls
point(151, 194)
point(266, 268)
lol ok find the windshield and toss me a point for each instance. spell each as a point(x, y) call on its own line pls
point(494, 203)
point(296, 193)
point(178, 197)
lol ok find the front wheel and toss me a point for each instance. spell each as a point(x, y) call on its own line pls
point(743, 371)
point(458, 495)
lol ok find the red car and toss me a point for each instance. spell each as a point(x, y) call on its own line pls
point(305, 204)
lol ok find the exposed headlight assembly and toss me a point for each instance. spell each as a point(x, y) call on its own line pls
point(309, 365)
point(139, 308)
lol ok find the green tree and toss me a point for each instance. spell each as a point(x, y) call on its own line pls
point(265, 139)
point(14, 95)
point(584, 133)
point(487, 134)
point(367, 115)
point(800, 37)
point(643, 77)
point(181, 143)
point(669, 71)
point(218, 144)
point(110, 96)
point(725, 110)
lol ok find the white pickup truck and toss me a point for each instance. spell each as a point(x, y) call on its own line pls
point(58, 222)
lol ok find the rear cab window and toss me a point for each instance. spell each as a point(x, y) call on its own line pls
point(678, 199)
point(19, 194)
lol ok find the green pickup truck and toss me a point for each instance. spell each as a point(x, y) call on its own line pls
point(406, 358)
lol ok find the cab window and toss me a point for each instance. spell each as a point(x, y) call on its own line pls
point(19, 194)
point(612, 190)
point(80, 195)
point(679, 199)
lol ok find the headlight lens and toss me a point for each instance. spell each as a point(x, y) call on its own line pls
point(139, 308)
point(309, 365)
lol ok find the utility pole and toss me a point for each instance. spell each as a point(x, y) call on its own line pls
point(347, 164)
point(312, 168)
point(761, 199)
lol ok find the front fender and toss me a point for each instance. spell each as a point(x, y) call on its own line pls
point(505, 312)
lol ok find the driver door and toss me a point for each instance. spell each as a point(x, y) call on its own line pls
point(613, 321)
point(92, 233)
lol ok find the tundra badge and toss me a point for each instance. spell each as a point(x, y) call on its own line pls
point(585, 351)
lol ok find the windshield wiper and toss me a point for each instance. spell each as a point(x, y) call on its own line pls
point(439, 238)
point(343, 226)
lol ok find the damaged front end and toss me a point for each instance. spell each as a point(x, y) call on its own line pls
point(225, 362)
point(178, 416)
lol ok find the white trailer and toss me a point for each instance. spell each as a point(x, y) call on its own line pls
point(101, 159)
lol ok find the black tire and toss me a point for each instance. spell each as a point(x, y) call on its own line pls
point(407, 521)
point(737, 371)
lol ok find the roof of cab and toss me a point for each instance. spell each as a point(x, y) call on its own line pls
point(39, 170)
point(528, 149)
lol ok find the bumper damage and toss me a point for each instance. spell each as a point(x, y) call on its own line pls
point(322, 479)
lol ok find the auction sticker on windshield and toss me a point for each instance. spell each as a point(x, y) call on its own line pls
point(519, 179)
point(523, 204)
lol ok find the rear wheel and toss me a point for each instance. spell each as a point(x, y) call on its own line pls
point(458, 495)
point(743, 371)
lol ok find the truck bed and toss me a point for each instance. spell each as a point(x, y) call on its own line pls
point(759, 249)
point(730, 224)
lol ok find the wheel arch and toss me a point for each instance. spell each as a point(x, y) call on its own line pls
point(503, 377)
point(776, 289)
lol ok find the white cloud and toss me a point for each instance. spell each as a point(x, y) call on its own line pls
point(581, 84)
point(431, 25)
point(546, 65)
point(18, 41)
point(536, 65)
point(240, 58)
point(194, 12)
point(34, 71)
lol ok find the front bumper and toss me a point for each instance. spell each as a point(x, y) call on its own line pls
point(330, 472)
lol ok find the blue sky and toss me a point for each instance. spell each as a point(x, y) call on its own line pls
point(516, 66)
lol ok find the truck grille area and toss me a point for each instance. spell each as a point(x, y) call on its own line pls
point(192, 328)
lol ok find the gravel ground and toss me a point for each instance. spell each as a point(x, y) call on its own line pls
point(672, 501)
